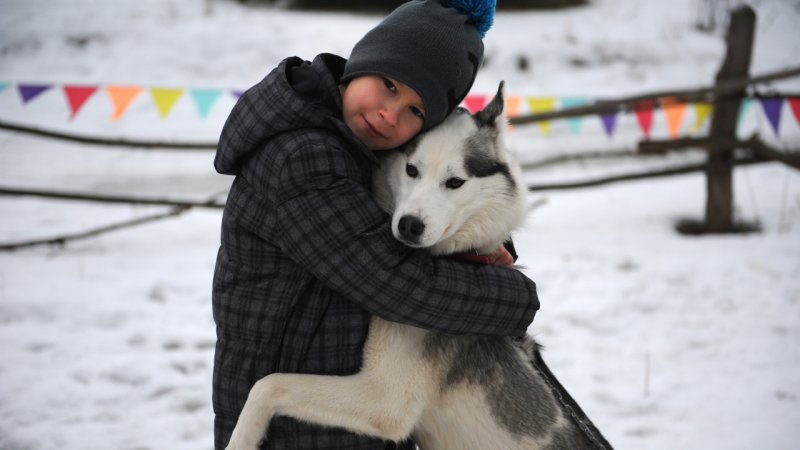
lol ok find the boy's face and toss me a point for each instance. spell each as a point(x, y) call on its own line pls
point(383, 113)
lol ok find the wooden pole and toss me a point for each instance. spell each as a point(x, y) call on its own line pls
point(719, 174)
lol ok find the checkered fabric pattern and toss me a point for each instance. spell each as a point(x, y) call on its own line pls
point(307, 256)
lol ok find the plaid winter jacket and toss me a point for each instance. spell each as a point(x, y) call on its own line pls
point(307, 256)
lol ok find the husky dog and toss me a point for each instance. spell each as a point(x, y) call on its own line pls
point(454, 189)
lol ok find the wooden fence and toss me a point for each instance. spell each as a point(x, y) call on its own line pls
point(725, 94)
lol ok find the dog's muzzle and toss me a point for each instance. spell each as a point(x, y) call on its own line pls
point(410, 228)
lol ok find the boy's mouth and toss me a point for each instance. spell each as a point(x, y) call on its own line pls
point(372, 130)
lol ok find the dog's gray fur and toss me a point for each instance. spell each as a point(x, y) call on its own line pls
point(447, 392)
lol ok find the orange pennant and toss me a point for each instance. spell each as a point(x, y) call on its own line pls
point(674, 111)
point(512, 106)
point(122, 97)
point(77, 97)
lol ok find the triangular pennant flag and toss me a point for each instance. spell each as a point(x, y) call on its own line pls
point(744, 106)
point(794, 104)
point(122, 97)
point(77, 96)
point(701, 112)
point(674, 112)
point(204, 99)
point(165, 99)
point(574, 102)
point(30, 91)
point(609, 122)
point(644, 115)
point(474, 103)
point(542, 105)
point(512, 106)
point(237, 93)
point(772, 109)
point(3, 86)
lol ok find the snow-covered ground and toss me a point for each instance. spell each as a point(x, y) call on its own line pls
point(666, 341)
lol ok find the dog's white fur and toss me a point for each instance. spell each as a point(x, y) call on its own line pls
point(399, 392)
point(476, 216)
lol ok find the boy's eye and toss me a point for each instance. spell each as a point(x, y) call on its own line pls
point(411, 171)
point(454, 183)
point(418, 112)
point(389, 85)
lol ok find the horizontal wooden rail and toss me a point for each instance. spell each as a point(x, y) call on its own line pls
point(108, 198)
point(107, 142)
point(689, 95)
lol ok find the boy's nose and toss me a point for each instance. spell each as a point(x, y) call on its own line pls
point(389, 114)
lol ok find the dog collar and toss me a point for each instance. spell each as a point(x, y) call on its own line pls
point(473, 257)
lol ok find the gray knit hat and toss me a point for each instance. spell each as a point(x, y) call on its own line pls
point(433, 46)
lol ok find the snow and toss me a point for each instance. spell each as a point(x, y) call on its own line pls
point(666, 341)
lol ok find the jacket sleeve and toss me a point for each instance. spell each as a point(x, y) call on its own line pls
point(331, 225)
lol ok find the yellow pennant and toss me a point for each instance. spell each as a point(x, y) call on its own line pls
point(701, 112)
point(121, 98)
point(542, 105)
point(165, 99)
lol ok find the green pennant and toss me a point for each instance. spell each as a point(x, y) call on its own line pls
point(574, 102)
point(743, 108)
point(204, 99)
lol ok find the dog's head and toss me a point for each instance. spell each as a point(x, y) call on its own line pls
point(454, 188)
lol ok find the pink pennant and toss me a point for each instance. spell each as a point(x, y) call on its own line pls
point(794, 103)
point(77, 97)
point(644, 115)
point(474, 103)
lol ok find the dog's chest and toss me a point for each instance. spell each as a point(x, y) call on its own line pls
point(392, 348)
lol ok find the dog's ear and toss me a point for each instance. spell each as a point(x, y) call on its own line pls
point(488, 115)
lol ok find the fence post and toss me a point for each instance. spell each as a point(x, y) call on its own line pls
point(719, 175)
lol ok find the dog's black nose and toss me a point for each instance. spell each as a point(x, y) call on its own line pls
point(410, 228)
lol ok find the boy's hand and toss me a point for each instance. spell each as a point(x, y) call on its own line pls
point(501, 257)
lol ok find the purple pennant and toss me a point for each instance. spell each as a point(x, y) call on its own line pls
point(609, 122)
point(30, 91)
point(772, 108)
point(237, 93)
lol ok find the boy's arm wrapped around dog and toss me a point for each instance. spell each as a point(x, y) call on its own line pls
point(301, 193)
point(328, 223)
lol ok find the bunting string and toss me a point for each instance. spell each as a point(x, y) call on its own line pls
point(672, 112)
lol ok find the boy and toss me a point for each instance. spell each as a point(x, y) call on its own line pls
point(307, 256)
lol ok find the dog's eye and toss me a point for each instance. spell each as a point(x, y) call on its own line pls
point(411, 171)
point(454, 183)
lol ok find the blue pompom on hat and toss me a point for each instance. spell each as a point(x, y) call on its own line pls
point(479, 13)
point(433, 46)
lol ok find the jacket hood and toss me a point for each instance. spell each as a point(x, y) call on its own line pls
point(296, 94)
